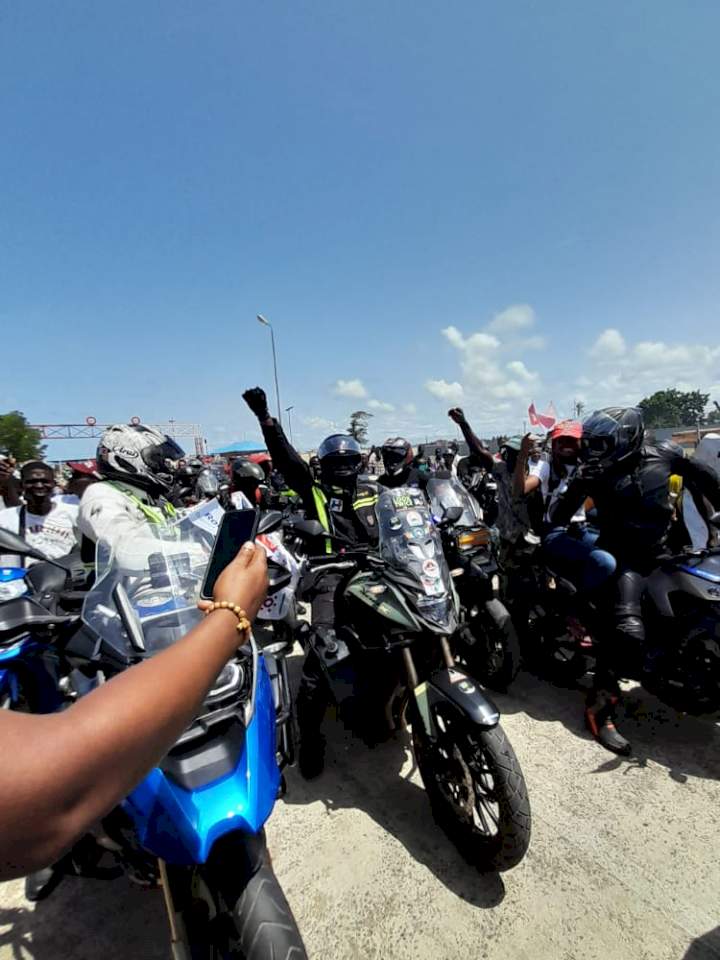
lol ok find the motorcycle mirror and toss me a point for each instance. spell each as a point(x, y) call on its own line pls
point(307, 528)
point(451, 515)
point(270, 521)
point(12, 543)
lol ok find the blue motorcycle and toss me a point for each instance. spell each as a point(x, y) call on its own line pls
point(194, 825)
point(33, 624)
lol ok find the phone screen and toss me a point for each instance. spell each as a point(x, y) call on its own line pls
point(236, 528)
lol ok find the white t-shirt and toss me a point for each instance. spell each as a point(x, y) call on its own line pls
point(541, 470)
point(55, 534)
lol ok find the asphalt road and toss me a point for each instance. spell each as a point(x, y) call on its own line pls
point(623, 862)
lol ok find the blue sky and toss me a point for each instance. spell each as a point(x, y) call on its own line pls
point(467, 202)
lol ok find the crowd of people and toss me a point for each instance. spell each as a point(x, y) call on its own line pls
point(603, 501)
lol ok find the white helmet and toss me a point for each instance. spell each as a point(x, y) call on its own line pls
point(138, 455)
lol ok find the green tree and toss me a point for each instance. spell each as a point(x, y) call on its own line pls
point(714, 416)
point(18, 438)
point(674, 408)
point(359, 425)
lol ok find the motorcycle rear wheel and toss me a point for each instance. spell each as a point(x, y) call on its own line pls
point(494, 659)
point(476, 789)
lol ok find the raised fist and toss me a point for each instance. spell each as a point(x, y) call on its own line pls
point(256, 399)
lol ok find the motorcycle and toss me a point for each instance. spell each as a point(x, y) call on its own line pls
point(487, 642)
point(194, 825)
point(481, 484)
point(30, 668)
point(397, 613)
point(680, 662)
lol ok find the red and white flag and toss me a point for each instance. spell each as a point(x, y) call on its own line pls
point(546, 420)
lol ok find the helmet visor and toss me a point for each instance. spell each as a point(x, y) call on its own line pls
point(597, 448)
point(162, 456)
point(394, 458)
point(341, 465)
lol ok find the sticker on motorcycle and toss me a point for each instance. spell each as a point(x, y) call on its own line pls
point(414, 519)
point(432, 588)
point(273, 608)
point(431, 569)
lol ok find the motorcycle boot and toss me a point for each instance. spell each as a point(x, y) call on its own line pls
point(600, 719)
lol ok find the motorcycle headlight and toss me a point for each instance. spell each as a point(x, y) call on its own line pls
point(470, 539)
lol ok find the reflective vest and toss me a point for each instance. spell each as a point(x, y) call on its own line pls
point(363, 505)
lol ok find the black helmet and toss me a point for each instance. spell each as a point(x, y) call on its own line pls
point(247, 477)
point(397, 454)
point(340, 458)
point(611, 436)
point(207, 485)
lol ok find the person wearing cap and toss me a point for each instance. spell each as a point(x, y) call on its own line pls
point(84, 473)
point(571, 549)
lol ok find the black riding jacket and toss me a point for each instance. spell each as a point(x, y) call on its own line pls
point(634, 507)
point(348, 512)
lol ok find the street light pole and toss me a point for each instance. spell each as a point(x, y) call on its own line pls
point(288, 411)
point(266, 323)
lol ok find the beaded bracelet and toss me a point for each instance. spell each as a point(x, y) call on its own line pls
point(243, 622)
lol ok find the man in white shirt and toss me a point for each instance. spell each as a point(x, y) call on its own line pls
point(46, 524)
point(571, 550)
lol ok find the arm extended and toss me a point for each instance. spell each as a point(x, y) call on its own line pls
point(63, 772)
point(474, 443)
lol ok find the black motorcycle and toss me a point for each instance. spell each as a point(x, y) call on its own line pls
point(680, 661)
point(487, 642)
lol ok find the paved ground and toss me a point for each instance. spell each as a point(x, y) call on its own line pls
point(623, 861)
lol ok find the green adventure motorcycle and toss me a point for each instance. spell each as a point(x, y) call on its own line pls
point(397, 613)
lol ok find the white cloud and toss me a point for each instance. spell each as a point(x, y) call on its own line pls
point(624, 373)
point(319, 423)
point(350, 388)
point(381, 405)
point(451, 393)
point(609, 344)
point(518, 368)
point(519, 316)
point(475, 342)
point(409, 408)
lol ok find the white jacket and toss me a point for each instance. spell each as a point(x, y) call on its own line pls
point(111, 512)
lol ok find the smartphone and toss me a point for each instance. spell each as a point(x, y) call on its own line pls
point(236, 528)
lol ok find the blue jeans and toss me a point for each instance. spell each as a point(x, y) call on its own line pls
point(575, 556)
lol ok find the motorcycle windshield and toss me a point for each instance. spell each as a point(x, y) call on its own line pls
point(410, 544)
point(148, 583)
point(449, 492)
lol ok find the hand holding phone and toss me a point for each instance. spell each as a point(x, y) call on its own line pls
point(236, 528)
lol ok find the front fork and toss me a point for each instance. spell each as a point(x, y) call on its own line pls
point(452, 687)
point(276, 663)
point(178, 934)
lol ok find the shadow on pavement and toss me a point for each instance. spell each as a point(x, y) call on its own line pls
point(706, 947)
point(687, 746)
point(370, 779)
point(85, 920)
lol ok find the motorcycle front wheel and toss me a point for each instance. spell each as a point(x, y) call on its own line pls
point(476, 789)
point(253, 924)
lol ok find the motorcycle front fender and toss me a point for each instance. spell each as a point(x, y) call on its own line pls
point(461, 692)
